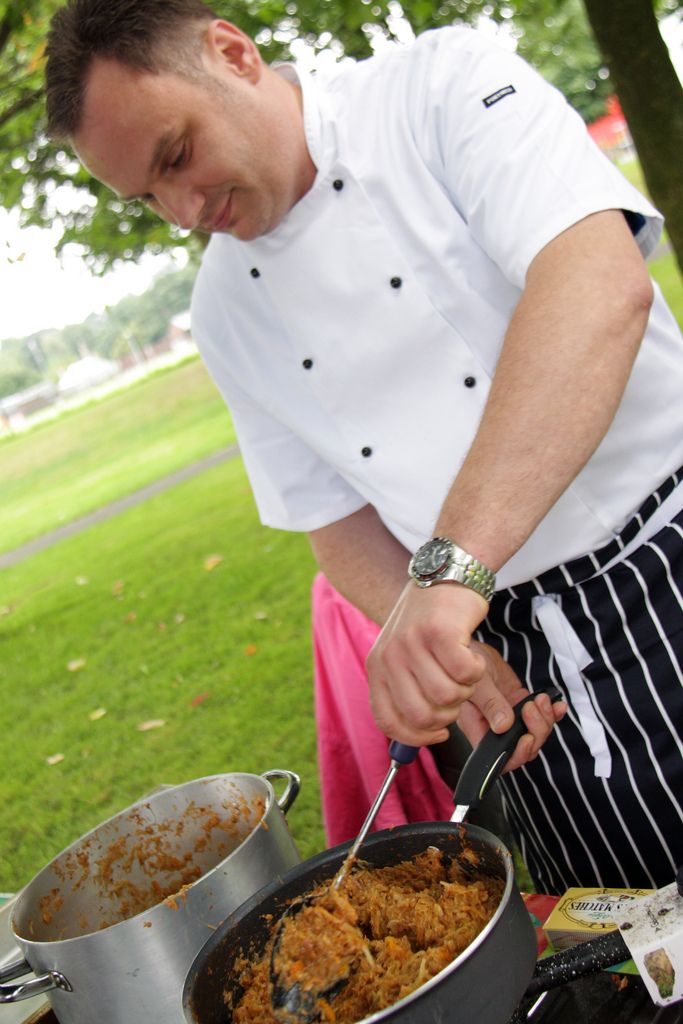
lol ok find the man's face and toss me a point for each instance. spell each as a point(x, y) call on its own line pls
point(224, 152)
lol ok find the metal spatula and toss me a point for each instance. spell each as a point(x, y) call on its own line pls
point(294, 1003)
point(400, 754)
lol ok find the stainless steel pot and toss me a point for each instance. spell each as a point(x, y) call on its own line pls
point(112, 924)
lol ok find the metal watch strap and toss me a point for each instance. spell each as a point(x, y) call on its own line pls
point(460, 567)
point(480, 578)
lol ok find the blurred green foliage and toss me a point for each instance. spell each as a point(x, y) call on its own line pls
point(552, 34)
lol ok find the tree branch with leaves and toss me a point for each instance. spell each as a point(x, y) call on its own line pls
point(623, 52)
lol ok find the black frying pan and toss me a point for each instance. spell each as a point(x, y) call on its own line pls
point(484, 984)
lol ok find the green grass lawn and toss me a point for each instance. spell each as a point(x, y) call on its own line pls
point(221, 655)
point(666, 274)
point(664, 269)
point(67, 467)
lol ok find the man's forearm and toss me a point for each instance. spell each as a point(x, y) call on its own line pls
point(565, 363)
point(363, 561)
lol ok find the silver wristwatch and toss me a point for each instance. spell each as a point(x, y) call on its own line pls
point(442, 561)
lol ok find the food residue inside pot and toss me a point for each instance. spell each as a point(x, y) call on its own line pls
point(102, 883)
point(385, 932)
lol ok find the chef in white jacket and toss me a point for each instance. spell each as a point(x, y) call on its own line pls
point(426, 304)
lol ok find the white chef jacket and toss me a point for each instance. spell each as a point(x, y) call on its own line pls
point(355, 344)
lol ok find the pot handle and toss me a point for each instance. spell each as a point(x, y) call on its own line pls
point(291, 790)
point(584, 958)
point(34, 987)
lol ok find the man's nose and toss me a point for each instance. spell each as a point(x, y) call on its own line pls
point(182, 206)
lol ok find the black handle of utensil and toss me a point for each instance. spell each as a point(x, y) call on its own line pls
point(492, 753)
point(577, 961)
point(402, 753)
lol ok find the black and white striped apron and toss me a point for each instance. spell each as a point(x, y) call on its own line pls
point(602, 804)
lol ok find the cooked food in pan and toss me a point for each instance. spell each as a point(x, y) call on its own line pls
point(384, 933)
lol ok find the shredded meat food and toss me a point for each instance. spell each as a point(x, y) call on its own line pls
point(380, 936)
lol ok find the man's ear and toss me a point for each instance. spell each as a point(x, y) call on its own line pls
point(226, 47)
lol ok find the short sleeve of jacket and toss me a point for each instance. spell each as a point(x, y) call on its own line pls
point(293, 487)
point(516, 159)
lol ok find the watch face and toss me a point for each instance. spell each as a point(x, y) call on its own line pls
point(432, 557)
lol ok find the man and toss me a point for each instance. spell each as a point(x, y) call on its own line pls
point(426, 305)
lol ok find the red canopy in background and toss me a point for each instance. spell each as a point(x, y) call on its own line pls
point(610, 132)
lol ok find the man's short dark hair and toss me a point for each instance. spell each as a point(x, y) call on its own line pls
point(148, 35)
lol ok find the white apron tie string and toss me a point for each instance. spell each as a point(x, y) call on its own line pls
point(571, 657)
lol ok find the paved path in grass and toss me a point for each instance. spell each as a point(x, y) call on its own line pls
point(113, 508)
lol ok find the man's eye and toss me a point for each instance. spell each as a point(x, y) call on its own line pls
point(178, 160)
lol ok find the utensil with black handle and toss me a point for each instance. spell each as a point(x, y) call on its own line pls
point(488, 759)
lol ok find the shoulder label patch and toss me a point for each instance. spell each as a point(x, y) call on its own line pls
point(488, 101)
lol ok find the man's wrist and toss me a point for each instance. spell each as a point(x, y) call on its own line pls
point(441, 560)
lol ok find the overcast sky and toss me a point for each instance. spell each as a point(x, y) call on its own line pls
point(39, 291)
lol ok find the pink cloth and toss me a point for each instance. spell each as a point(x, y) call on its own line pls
point(352, 752)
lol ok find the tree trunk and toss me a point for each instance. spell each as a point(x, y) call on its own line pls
point(651, 97)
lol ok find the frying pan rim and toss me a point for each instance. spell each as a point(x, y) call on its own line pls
point(462, 830)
